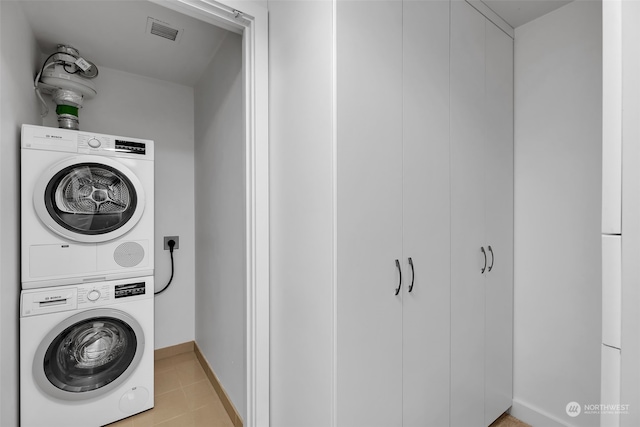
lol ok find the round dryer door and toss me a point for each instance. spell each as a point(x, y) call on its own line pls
point(89, 199)
point(88, 354)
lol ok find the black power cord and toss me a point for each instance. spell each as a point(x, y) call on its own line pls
point(171, 243)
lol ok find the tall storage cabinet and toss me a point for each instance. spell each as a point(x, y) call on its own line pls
point(392, 213)
point(481, 218)
point(424, 181)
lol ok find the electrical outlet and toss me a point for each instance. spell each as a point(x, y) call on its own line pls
point(175, 239)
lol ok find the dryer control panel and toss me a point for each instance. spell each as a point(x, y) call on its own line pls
point(74, 141)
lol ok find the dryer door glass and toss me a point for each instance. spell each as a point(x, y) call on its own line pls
point(90, 354)
point(90, 198)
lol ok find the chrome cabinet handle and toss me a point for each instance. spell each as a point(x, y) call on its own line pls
point(413, 274)
point(493, 258)
point(485, 260)
point(400, 273)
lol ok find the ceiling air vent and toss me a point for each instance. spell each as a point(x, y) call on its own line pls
point(163, 29)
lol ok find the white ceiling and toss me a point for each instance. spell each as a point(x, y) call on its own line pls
point(112, 33)
point(518, 12)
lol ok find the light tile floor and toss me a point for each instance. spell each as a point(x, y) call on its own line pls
point(507, 420)
point(184, 397)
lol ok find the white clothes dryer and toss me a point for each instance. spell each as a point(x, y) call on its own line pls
point(87, 207)
point(86, 353)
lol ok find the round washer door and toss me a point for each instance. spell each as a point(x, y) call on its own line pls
point(89, 199)
point(88, 354)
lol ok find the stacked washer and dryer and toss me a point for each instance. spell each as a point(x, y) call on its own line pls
point(86, 307)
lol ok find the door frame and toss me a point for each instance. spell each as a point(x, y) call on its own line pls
point(250, 19)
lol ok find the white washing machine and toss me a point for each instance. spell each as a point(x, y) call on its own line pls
point(87, 207)
point(86, 353)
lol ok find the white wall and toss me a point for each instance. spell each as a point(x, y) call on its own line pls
point(220, 267)
point(558, 160)
point(301, 128)
point(135, 106)
point(20, 58)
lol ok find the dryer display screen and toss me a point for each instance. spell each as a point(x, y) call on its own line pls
point(131, 147)
point(130, 290)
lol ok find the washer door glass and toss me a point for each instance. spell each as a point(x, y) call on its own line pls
point(90, 198)
point(90, 354)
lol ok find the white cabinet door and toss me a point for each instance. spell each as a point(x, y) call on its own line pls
point(612, 290)
point(369, 205)
point(610, 385)
point(499, 222)
point(482, 217)
point(467, 215)
point(426, 213)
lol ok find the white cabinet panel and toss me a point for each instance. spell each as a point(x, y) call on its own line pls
point(369, 203)
point(301, 195)
point(467, 215)
point(499, 222)
point(425, 350)
point(611, 290)
point(610, 389)
point(612, 117)
point(630, 368)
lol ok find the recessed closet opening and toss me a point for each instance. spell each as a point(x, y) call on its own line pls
point(182, 75)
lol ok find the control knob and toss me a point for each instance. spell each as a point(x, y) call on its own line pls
point(93, 295)
point(94, 143)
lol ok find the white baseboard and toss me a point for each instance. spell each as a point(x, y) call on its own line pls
point(534, 416)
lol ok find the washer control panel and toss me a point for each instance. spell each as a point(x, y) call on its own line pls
point(88, 295)
point(94, 293)
point(130, 290)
